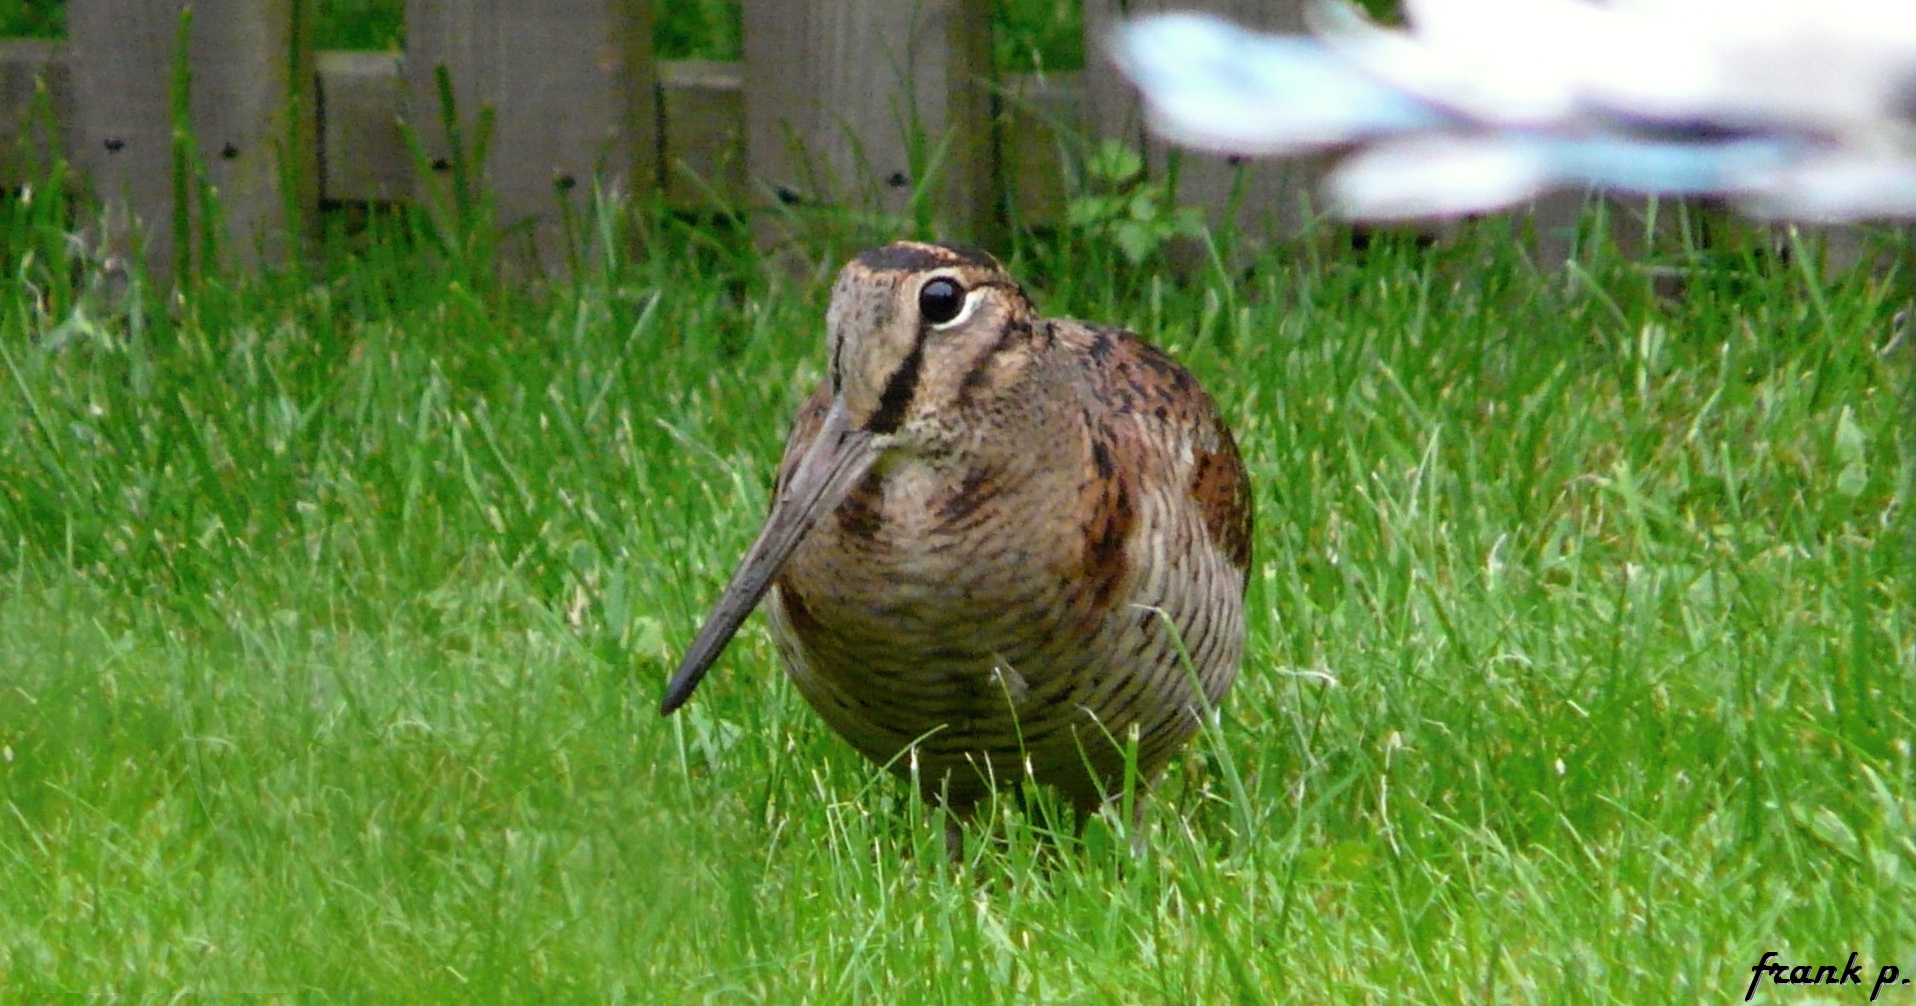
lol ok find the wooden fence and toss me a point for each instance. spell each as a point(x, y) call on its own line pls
point(840, 102)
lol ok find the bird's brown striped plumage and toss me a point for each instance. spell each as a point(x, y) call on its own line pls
point(995, 537)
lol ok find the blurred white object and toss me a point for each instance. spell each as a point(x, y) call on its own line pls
point(1795, 108)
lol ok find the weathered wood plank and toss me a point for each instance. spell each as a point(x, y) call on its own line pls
point(363, 153)
point(1040, 120)
point(571, 87)
point(364, 158)
point(864, 103)
point(251, 114)
point(27, 66)
point(704, 142)
point(702, 145)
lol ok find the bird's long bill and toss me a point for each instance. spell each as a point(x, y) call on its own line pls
point(839, 456)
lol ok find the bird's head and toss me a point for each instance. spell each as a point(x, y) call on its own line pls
point(914, 331)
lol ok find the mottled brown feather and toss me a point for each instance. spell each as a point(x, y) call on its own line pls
point(1062, 502)
point(1223, 496)
point(859, 515)
point(977, 489)
point(1110, 521)
point(1137, 381)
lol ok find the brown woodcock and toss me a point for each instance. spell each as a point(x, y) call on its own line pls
point(996, 539)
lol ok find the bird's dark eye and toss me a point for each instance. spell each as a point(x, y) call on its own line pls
point(940, 300)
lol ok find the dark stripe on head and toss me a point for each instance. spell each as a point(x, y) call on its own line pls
point(911, 256)
point(890, 413)
point(1016, 329)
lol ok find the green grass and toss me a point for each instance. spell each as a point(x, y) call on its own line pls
point(334, 614)
point(33, 18)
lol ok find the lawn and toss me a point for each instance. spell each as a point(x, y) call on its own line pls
point(335, 608)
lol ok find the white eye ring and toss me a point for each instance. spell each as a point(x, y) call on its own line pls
point(971, 304)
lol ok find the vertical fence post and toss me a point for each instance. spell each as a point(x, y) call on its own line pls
point(865, 103)
point(27, 67)
point(251, 113)
point(573, 93)
point(1273, 194)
